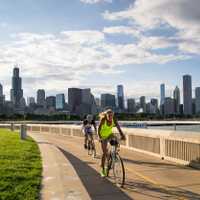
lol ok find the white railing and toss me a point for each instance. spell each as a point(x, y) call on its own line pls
point(180, 147)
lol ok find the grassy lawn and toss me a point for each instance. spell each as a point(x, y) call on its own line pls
point(20, 167)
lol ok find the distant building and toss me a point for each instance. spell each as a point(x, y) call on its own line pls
point(108, 101)
point(162, 94)
point(81, 101)
point(143, 103)
point(120, 97)
point(197, 100)
point(16, 92)
point(74, 99)
point(1, 90)
point(41, 98)
point(176, 96)
point(154, 102)
point(98, 102)
point(60, 101)
point(51, 102)
point(131, 105)
point(22, 103)
point(181, 109)
point(187, 94)
point(169, 106)
point(2, 98)
point(193, 106)
point(86, 96)
point(30, 101)
point(152, 106)
point(162, 98)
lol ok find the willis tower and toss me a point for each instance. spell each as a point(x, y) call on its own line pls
point(16, 92)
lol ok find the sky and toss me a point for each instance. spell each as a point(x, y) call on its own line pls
point(99, 44)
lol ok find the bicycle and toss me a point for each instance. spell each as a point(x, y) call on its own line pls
point(115, 163)
point(91, 147)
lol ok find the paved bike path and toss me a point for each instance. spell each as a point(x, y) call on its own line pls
point(146, 177)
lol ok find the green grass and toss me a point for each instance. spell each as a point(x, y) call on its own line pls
point(20, 167)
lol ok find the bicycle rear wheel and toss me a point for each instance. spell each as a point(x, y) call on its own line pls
point(93, 150)
point(118, 170)
point(89, 147)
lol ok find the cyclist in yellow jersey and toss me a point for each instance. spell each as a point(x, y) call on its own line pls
point(107, 122)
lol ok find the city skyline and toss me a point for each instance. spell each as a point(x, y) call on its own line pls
point(109, 39)
point(40, 94)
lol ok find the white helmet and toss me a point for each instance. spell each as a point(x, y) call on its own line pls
point(89, 118)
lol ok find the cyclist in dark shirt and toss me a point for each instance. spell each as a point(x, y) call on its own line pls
point(87, 128)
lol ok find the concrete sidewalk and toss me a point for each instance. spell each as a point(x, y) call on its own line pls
point(147, 177)
point(60, 180)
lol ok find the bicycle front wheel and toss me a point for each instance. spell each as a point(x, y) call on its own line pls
point(118, 170)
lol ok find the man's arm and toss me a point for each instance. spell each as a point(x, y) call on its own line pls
point(119, 129)
point(99, 128)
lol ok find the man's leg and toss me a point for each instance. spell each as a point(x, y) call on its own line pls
point(104, 156)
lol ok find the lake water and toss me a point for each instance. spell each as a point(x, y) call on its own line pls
point(189, 128)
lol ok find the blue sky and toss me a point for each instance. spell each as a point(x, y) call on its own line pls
point(99, 44)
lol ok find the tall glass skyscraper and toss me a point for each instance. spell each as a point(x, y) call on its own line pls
point(60, 101)
point(162, 94)
point(120, 97)
point(16, 92)
point(187, 94)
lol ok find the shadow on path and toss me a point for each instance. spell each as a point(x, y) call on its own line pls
point(164, 166)
point(161, 192)
point(98, 188)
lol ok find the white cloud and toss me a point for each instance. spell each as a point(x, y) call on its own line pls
point(57, 62)
point(122, 30)
point(95, 1)
point(180, 15)
point(155, 43)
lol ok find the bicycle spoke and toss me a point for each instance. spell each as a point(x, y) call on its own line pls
point(118, 171)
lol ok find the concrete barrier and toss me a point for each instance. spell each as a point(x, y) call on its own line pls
point(179, 147)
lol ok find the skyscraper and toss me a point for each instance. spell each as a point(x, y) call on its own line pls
point(16, 92)
point(41, 97)
point(143, 103)
point(176, 96)
point(51, 102)
point(131, 105)
point(1, 97)
point(60, 101)
point(108, 101)
point(120, 97)
point(187, 94)
point(197, 100)
point(30, 101)
point(154, 106)
point(81, 101)
point(1, 90)
point(154, 102)
point(162, 98)
point(169, 106)
point(74, 98)
point(162, 94)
